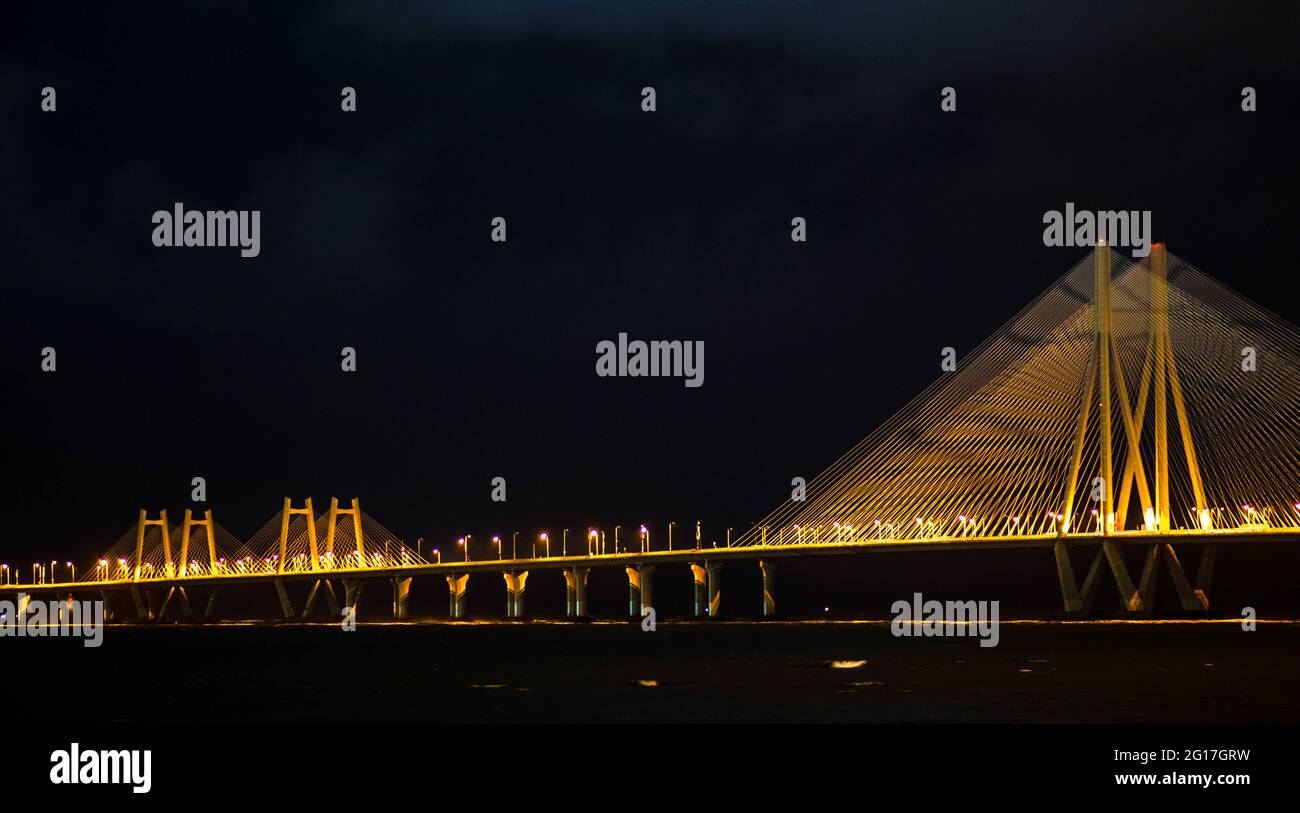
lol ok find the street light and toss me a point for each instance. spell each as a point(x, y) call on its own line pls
point(616, 527)
point(592, 538)
point(544, 537)
point(645, 538)
point(438, 553)
point(564, 543)
point(670, 535)
point(464, 543)
point(496, 540)
point(514, 545)
point(73, 568)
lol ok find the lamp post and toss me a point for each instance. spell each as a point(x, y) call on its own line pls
point(670, 535)
point(73, 568)
point(564, 543)
point(496, 540)
point(592, 538)
point(464, 542)
point(616, 527)
point(645, 539)
point(545, 538)
point(514, 545)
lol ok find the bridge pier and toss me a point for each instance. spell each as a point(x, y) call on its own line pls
point(769, 587)
point(515, 593)
point(212, 603)
point(639, 589)
point(401, 597)
point(107, 597)
point(575, 584)
point(330, 597)
point(1204, 574)
point(633, 592)
point(351, 594)
point(699, 589)
point(186, 610)
point(286, 606)
point(142, 612)
point(457, 587)
point(715, 587)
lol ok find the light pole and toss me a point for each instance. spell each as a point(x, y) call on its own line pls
point(438, 554)
point(514, 542)
point(496, 540)
point(645, 538)
point(728, 537)
point(53, 564)
point(545, 537)
point(592, 538)
point(464, 542)
point(616, 527)
point(73, 568)
point(564, 543)
point(670, 535)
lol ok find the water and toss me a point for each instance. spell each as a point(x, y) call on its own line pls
point(1200, 671)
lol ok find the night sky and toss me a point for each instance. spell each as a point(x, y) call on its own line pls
point(477, 359)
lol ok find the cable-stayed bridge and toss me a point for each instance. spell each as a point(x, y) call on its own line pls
point(1131, 405)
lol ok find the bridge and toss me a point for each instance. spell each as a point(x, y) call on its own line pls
point(1148, 369)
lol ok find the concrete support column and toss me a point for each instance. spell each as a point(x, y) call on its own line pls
point(700, 589)
point(570, 595)
point(141, 609)
point(457, 588)
point(715, 587)
point(286, 606)
point(1070, 597)
point(575, 581)
point(166, 602)
point(645, 575)
point(1205, 574)
point(212, 603)
point(401, 597)
point(107, 598)
point(515, 593)
point(633, 592)
point(186, 610)
point(769, 587)
point(351, 594)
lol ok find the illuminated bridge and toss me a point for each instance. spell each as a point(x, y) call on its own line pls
point(1132, 405)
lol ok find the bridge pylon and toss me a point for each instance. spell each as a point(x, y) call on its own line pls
point(188, 524)
point(142, 526)
point(286, 518)
point(331, 526)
